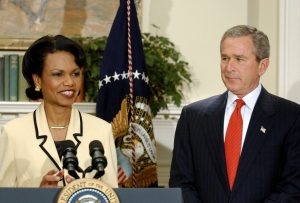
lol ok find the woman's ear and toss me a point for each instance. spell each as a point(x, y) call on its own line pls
point(36, 80)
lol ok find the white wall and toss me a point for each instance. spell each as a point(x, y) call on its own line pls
point(196, 26)
point(289, 60)
point(264, 14)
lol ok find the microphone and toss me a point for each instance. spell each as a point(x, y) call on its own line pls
point(70, 161)
point(99, 161)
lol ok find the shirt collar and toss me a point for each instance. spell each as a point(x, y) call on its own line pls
point(250, 99)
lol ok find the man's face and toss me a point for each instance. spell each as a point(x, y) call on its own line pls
point(240, 70)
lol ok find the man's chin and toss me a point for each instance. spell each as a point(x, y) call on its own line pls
point(232, 88)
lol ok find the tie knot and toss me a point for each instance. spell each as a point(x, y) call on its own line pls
point(239, 103)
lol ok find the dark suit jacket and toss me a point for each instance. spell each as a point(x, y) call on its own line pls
point(269, 167)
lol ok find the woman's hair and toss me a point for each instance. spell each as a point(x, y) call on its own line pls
point(34, 58)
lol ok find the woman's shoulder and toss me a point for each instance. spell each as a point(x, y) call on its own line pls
point(18, 126)
point(20, 121)
point(92, 124)
point(93, 119)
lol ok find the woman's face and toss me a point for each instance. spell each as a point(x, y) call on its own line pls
point(61, 79)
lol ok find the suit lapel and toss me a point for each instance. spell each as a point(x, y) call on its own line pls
point(43, 134)
point(255, 136)
point(75, 128)
point(74, 133)
point(214, 136)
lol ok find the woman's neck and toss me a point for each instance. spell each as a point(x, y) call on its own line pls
point(57, 116)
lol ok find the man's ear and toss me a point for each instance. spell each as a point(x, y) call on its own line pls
point(36, 80)
point(263, 66)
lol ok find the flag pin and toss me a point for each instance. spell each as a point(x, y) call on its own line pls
point(263, 129)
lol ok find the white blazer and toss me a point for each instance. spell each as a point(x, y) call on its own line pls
point(28, 152)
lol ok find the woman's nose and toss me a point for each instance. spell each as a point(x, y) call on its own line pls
point(69, 81)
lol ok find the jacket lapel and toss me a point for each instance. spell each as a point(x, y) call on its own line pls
point(75, 128)
point(256, 135)
point(214, 136)
point(43, 134)
point(74, 133)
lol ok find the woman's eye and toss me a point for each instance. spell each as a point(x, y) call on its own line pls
point(76, 74)
point(57, 74)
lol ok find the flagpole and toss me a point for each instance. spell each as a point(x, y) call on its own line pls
point(123, 100)
point(133, 157)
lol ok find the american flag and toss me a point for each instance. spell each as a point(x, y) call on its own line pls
point(123, 100)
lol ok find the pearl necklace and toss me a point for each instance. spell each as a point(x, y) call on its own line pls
point(59, 127)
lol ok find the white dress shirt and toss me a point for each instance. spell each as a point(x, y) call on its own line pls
point(246, 110)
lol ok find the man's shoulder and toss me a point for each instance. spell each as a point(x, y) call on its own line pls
point(212, 101)
point(208, 105)
point(276, 105)
point(281, 102)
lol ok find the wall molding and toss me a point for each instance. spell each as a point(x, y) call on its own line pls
point(289, 49)
point(87, 107)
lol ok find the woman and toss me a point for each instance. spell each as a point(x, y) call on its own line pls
point(31, 146)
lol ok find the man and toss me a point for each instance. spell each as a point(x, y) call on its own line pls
point(244, 145)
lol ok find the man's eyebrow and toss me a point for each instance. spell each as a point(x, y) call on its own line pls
point(239, 56)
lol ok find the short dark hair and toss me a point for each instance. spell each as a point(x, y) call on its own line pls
point(260, 39)
point(34, 58)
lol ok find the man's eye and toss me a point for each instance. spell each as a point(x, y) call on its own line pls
point(239, 59)
point(224, 58)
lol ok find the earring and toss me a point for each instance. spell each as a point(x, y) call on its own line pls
point(37, 89)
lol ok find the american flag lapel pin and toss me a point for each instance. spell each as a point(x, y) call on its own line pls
point(263, 129)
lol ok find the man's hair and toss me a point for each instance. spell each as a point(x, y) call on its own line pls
point(260, 39)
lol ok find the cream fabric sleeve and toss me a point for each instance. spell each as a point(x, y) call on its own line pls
point(7, 160)
point(113, 157)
